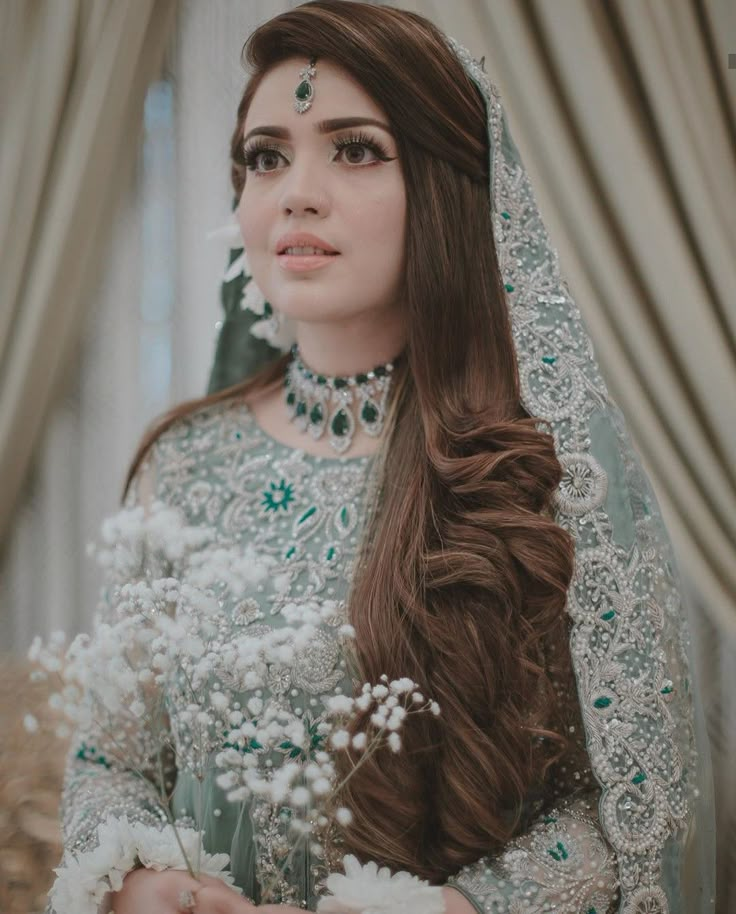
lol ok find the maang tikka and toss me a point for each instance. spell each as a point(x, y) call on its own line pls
point(304, 92)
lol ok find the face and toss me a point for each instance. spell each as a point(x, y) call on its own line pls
point(345, 186)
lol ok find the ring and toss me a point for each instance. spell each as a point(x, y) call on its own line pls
point(186, 900)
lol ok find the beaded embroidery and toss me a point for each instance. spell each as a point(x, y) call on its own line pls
point(629, 634)
point(216, 466)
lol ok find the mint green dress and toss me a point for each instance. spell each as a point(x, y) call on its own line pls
point(222, 470)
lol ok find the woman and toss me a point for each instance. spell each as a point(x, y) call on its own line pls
point(436, 447)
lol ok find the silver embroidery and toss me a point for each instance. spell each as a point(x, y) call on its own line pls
point(629, 630)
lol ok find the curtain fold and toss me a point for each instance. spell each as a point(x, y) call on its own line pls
point(73, 95)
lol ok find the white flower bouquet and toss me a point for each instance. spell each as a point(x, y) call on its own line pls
point(179, 667)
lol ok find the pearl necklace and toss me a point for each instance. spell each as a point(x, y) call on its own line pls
point(308, 393)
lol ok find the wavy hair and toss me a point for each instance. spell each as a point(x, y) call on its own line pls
point(462, 584)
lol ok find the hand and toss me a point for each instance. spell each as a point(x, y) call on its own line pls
point(147, 891)
point(279, 909)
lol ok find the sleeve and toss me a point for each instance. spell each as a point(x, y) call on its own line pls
point(563, 863)
point(98, 791)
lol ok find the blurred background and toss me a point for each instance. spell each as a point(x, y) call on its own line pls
point(115, 121)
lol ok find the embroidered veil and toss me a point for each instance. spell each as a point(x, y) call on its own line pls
point(629, 640)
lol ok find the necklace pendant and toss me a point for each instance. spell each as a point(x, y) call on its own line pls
point(301, 418)
point(317, 420)
point(342, 428)
point(371, 415)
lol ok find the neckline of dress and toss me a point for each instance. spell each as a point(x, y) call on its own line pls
point(317, 458)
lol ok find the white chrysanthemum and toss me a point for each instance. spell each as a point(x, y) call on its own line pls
point(366, 889)
point(83, 881)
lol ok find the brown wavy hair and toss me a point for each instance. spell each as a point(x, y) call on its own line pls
point(462, 584)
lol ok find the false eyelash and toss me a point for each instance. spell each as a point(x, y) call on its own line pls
point(250, 153)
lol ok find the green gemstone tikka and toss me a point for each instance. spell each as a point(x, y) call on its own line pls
point(304, 92)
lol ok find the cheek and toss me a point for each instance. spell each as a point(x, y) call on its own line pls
point(381, 221)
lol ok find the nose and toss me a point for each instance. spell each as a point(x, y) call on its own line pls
point(302, 191)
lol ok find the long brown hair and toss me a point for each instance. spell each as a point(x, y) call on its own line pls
point(462, 584)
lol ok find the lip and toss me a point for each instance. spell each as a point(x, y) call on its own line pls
point(300, 240)
point(304, 262)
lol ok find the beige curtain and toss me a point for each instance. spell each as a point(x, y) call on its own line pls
point(625, 115)
point(73, 77)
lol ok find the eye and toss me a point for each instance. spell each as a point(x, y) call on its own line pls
point(359, 140)
point(252, 154)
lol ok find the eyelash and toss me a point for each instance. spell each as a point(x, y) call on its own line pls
point(251, 153)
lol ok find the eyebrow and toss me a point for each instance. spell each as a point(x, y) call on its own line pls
point(327, 126)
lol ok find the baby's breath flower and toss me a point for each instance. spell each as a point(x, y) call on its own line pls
point(340, 704)
point(340, 739)
point(399, 686)
point(344, 816)
point(300, 796)
point(379, 718)
point(218, 701)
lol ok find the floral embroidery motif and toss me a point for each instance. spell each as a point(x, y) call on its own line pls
point(278, 497)
point(562, 864)
point(584, 484)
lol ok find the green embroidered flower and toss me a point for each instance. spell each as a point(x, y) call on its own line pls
point(316, 742)
point(558, 852)
point(90, 754)
point(246, 746)
point(279, 496)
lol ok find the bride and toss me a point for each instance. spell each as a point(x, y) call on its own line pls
point(411, 421)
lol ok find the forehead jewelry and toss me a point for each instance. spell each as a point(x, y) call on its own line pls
point(304, 92)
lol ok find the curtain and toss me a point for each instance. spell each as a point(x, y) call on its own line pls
point(74, 79)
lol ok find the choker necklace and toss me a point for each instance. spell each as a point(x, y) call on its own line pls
point(316, 402)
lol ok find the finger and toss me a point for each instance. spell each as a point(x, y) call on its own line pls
point(214, 899)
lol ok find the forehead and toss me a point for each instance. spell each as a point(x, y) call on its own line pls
point(336, 92)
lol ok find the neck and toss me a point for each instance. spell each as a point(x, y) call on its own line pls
point(336, 349)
